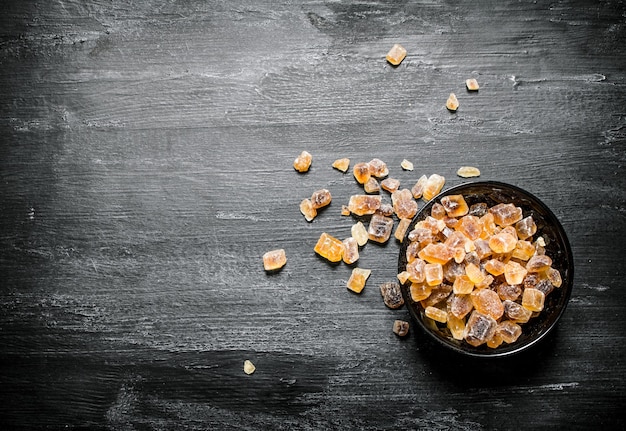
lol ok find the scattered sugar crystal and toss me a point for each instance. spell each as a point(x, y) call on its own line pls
point(275, 259)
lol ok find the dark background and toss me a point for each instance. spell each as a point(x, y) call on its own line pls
point(146, 154)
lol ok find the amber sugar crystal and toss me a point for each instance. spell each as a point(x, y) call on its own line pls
point(341, 164)
point(433, 186)
point(479, 328)
point(436, 253)
point(420, 291)
point(533, 299)
point(418, 188)
point(302, 163)
point(390, 184)
point(307, 210)
point(472, 84)
point(371, 186)
point(364, 204)
point(396, 54)
point(350, 250)
point(455, 205)
point(329, 247)
point(433, 273)
point(359, 232)
point(361, 172)
point(452, 103)
point(380, 228)
point(487, 302)
point(502, 242)
point(506, 214)
point(436, 314)
point(403, 203)
point(274, 259)
point(320, 198)
point(378, 168)
point(357, 279)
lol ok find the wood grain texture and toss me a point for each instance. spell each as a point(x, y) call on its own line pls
point(146, 154)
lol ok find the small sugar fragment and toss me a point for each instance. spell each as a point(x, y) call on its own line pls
point(361, 172)
point(380, 228)
point(468, 172)
point(406, 165)
point(248, 367)
point(452, 103)
point(342, 164)
point(359, 232)
point(275, 259)
point(472, 84)
point(329, 247)
point(396, 54)
point(378, 168)
point(392, 295)
point(302, 163)
point(432, 186)
point(357, 279)
point(307, 210)
point(400, 328)
point(321, 198)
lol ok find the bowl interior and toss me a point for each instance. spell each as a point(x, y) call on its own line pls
point(557, 247)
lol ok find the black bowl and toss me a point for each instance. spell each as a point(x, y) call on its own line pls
point(557, 247)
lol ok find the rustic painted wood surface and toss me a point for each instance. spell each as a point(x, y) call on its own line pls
point(145, 167)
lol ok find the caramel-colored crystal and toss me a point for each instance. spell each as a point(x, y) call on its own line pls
point(400, 327)
point(506, 214)
point(403, 203)
point(471, 84)
point(455, 205)
point(533, 299)
point(433, 186)
point(456, 327)
point(302, 163)
point(436, 253)
point(378, 168)
point(364, 204)
point(329, 247)
point(396, 54)
point(361, 172)
point(514, 273)
point(452, 103)
point(433, 273)
point(502, 242)
point(321, 198)
point(462, 285)
point(436, 314)
point(371, 186)
point(406, 165)
point(418, 189)
point(468, 172)
point(307, 210)
point(350, 250)
point(357, 279)
point(401, 229)
point(342, 164)
point(487, 302)
point(359, 232)
point(390, 184)
point(420, 291)
point(380, 228)
point(274, 259)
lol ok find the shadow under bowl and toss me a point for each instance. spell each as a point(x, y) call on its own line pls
point(557, 247)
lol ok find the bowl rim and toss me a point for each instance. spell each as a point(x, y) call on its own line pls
point(567, 273)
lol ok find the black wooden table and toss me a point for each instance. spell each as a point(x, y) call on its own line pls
point(146, 166)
